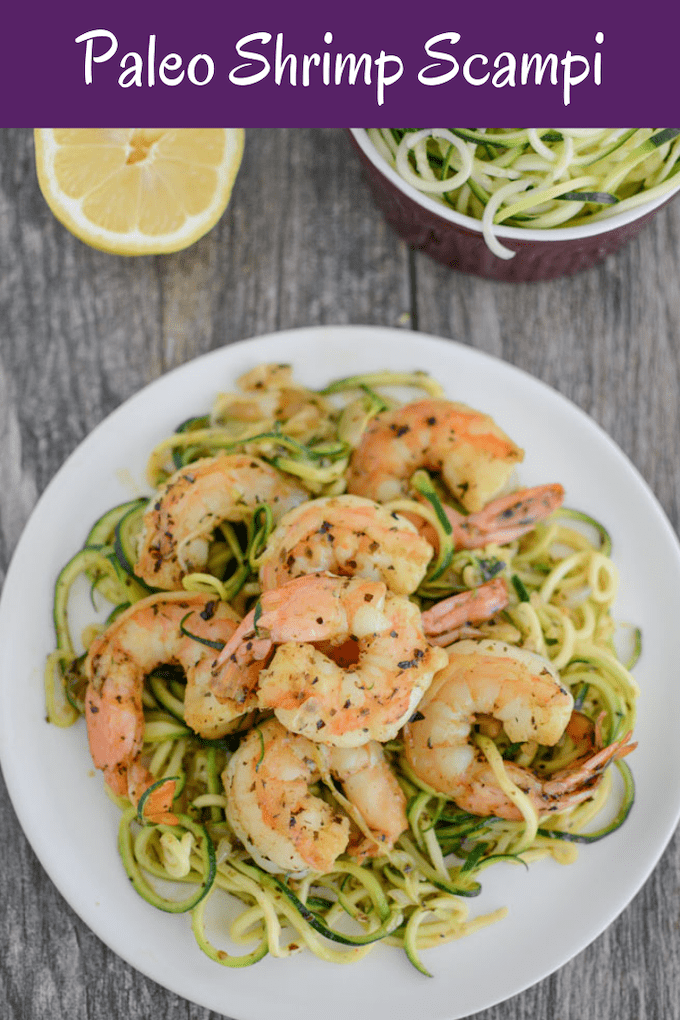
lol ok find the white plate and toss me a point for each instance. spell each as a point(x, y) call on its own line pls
point(554, 911)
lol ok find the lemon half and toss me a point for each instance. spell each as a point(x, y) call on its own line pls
point(138, 191)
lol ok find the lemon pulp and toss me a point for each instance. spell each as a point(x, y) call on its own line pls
point(138, 191)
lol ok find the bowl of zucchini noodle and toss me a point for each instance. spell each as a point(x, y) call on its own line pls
point(519, 204)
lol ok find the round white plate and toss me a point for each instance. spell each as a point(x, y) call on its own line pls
point(554, 911)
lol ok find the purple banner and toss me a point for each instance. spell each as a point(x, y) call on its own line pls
point(359, 63)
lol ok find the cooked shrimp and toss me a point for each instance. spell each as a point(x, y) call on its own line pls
point(350, 536)
point(505, 519)
point(372, 787)
point(189, 506)
point(474, 456)
point(269, 394)
point(144, 637)
point(444, 618)
point(523, 692)
point(284, 826)
point(309, 692)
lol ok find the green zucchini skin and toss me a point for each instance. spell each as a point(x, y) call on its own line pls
point(124, 543)
point(141, 805)
point(102, 531)
point(216, 645)
point(579, 515)
point(218, 955)
point(387, 926)
point(518, 585)
point(180, 456)
point(141, 884)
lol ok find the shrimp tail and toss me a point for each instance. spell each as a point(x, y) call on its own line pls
point(244, 647)
point(505, 519)
point(583, 772)
point(468, 607)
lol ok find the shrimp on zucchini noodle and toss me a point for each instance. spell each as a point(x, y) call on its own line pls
point(341, 663)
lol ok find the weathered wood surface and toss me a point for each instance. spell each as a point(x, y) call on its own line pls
point(302, 244)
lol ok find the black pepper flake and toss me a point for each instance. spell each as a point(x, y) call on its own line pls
point(209, 610)
point(417, 716)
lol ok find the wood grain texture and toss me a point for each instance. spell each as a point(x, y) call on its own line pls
point(302, 244)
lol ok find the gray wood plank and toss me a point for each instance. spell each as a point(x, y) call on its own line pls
point(300, 244)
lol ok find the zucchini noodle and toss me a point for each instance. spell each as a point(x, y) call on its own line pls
point(526, 177)
point(562, 584)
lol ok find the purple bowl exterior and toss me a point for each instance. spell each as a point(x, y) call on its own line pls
point(466, 251)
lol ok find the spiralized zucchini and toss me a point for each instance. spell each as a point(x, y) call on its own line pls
point(563, 585)
point(531, 177)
